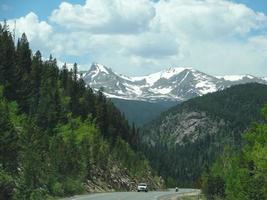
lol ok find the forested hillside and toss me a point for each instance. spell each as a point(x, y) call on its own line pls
point(142, 112)
point(187, 139)
point(240, 175)
point(57, 136)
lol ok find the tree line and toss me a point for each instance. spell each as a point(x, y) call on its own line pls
point(55, 128)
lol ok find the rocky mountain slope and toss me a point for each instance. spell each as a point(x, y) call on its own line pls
point(187, 139)
point(175, 84)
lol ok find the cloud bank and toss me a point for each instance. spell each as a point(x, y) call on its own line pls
point(142, 36)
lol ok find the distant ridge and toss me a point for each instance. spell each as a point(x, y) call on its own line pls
point(172, 84)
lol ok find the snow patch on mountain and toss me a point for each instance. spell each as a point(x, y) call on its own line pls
point(101, 68)
point(206, 87)
point(235, 77)
point(177, 83)
point(166, 74)
point(134, 88)
point(164, 91)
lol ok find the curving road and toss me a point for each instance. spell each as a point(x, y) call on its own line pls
point(168, 195)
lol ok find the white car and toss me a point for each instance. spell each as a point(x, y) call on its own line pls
point(142, 187)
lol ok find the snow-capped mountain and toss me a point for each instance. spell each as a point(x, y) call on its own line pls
point(176, 83)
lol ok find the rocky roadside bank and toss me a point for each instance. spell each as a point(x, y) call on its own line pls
point(119, 179)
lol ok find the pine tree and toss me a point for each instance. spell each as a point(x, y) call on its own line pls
point(64, 77)
point(101, 112)
point(34, 162)
point(49, 108)
point(8, 140)
point(87, 104)
point(23, 59)
point(23, 68)
point(35, 81)
point(75, 73)
point(7, 62)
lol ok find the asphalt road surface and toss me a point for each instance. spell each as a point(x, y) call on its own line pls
point(167, 195)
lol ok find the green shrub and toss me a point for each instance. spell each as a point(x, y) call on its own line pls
point(6, 185)
point(72, 186)
point(38, 194)
point(57, 189)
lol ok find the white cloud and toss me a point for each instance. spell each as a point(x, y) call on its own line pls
point(259, 43)
point(105, 16)
point(30, 24)
point(39, 33)
point(141, 36)
point(151, 45)
point(207, 19)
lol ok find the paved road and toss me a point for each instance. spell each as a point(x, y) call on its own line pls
point(168, 195)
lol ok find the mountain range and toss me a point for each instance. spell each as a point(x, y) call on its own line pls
point(173, 84)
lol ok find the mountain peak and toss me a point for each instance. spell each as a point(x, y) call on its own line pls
point(173, 83)
point(171, 71)
point(165, 74)
point(177, 69)
point(96, 67)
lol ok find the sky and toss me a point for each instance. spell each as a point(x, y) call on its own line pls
point(138, 37)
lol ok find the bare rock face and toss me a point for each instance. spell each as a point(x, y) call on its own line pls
point(183, 127)
point(117, 178)
point(189, 126)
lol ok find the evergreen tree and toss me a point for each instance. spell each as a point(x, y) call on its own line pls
point(7, 62)
point(77, 91)
point(35, 81)
point(48, 111)
point(23, 55)
point(64, 76)
point(75, 73)
point(34, 162)
point(101, 112)
point(87, 104)
point(23, 68)
point(8, 139)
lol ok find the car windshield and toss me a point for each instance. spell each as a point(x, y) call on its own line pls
point(142, 184)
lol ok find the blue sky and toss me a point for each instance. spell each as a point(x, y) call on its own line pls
point(15, 8)
point(18, 8)
point(258, 5)
point(144, 36)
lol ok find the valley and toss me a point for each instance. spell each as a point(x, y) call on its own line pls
point(142, 112)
